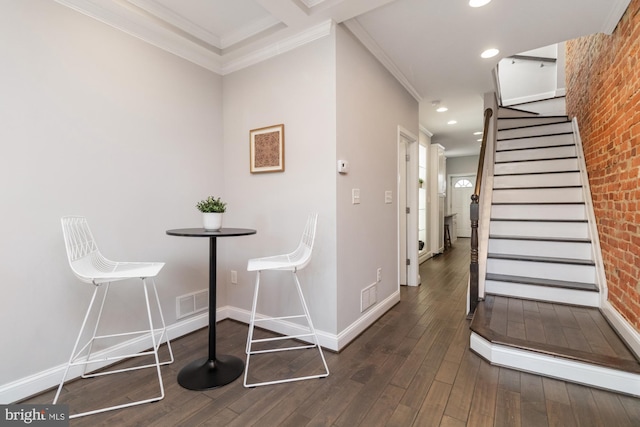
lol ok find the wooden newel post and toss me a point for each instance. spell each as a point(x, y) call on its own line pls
point(473, 266)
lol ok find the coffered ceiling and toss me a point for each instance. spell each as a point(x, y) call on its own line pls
point(432, 46)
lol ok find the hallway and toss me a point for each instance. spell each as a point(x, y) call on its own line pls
point(411, 368)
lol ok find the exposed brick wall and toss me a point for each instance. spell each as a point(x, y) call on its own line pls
point(603, 92)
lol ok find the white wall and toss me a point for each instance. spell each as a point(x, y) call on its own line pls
point(462, 165)
point(298, 90)
point(371, 105)
point(96, 123)
point(524, 80)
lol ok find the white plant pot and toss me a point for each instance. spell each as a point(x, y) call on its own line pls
point(212, 220)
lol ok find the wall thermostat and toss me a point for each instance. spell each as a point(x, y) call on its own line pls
point(343, 166)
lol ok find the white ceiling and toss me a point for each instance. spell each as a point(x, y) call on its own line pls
point(432, 46)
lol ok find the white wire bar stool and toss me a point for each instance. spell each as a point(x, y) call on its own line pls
point(90, 266)
point(293, 262)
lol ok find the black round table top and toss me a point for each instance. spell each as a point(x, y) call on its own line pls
point(201, 232)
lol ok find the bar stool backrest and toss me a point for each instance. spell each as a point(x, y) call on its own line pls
point(85, 259)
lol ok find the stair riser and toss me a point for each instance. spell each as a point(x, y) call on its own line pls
point(539, 229)
point(540, 248)
point(539, 195)
point(542, 270)
point(540, 141)
point(536, 130)
point(528, 121)
point(536, 154)
point(543, 293)
point(559, 165)
point(537, 180)
point(556, 212)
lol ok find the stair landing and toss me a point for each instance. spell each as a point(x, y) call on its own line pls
point(560, 331)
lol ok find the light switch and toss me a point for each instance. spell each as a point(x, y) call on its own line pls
point(388, 197)
point(355, 196)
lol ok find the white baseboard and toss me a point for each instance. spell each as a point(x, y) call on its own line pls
point(622, 327)
point(33, 384)
point(327, 340)
point(40, 381)
point(555, 367)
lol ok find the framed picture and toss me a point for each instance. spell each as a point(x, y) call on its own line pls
point(267, 149)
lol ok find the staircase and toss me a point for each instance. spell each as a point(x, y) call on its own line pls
point(540, 312)
point(539, 244)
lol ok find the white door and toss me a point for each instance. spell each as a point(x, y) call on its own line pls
point(462, 188)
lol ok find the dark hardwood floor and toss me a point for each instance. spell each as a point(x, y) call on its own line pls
point(412, 367)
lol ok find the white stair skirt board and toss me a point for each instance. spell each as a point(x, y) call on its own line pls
point(538, 195)
point(536, 153)
point(543, 293)
point(537, 180)
point(540, 248)
point(537, 141)
point(542, 270)
point(556, 367)
point(556, 165)
point(540, 130)
point(557, 212)
point(518, 122)
point(539, 229)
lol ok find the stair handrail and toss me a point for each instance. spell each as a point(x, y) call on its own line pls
point(474, 215)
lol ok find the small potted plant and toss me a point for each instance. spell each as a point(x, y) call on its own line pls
point(212, 210)
point(420, 181)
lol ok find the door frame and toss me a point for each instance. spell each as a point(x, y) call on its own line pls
point(450, 180)
point(409, 222)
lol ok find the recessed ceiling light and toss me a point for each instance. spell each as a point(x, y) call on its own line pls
point(479, 140)
point(477, 133)
point(478, 3)
point(452, 122)
point(442, 109)
point(490, 53)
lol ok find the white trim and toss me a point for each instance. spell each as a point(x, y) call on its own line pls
point(412, 204)
point(596, 250)
point(556, 367)
point(40, 381)
point(307, 36)
point(43, 380)
point(616, 11)
point(361, 34)
point(327, 340)
point(626, 331)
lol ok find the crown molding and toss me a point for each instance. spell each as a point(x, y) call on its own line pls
point(425, 131)
point(617, 10)
point(147, 26)
point(281, 46)
point(361, 34)
point(125, 19)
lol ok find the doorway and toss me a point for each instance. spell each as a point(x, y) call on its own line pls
point(462, 188)
point(407, 208)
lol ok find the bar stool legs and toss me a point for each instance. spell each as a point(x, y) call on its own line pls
point(447, 237)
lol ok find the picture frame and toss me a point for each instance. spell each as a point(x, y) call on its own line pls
point(267, 149)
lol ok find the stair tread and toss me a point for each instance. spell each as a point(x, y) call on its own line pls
point(536, 173)
point(580, 221)
point(506, 150)
point(539, 187)
point(543, 282)
point(532, 136)
point(538, 203)
point(533, 258)
point(535, 160)
point(542, 239)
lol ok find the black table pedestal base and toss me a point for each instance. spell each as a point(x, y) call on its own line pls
point(205, 374)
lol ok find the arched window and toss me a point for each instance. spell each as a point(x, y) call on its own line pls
point(463, 183)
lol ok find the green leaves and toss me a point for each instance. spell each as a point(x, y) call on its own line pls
point(211, 205)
